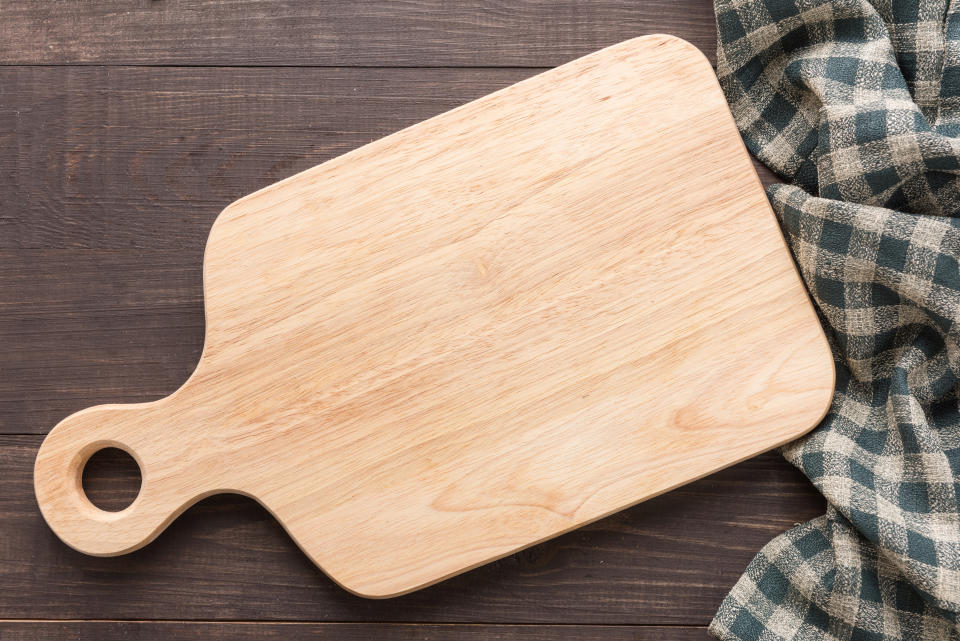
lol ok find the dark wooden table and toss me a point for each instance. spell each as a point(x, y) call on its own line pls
point(126, 126)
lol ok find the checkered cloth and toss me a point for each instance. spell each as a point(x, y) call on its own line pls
point(856, 103)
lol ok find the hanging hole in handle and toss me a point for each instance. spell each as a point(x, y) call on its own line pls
point(58, 481)
point(111, 479)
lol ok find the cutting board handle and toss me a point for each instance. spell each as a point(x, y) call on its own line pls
point(59, 487)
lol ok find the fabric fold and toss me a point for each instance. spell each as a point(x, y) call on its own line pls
point(857, 105)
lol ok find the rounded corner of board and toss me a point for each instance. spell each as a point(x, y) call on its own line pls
point(370, 593)
point(378, 586)
point(657, 40)
point(820, 405)
point(830, 370)
point(225, 213)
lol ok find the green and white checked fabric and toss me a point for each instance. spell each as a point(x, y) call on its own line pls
point(856, 104)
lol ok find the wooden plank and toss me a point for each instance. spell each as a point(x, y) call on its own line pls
point(114, 158)
point(667, 561)
point(139, 337)
point(120, 158)
point(190, 631)
point(83, 327)
point(533, 33)
point(490, 347)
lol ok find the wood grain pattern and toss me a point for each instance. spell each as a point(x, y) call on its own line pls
point(112, 178)
point(667, 561)
point(140, 631)
point(532, 33)
point(114, 158)
point(84, 327)
point(436, 349)
point(107, 158)
point(105, 212)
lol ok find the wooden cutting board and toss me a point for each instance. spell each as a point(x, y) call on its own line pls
point(478, 333)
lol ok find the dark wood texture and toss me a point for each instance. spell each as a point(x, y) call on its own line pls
point(667, 561)
point(174, 631)
point(114, 177)
point(414, 33)
point(127, 126)
point(121, 157)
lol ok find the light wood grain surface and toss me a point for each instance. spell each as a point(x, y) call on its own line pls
point(121, 147)
point(480, 332)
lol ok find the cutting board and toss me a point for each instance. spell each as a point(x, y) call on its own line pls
point(478, 333)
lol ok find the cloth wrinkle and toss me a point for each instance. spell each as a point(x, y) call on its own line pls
point(856, 103)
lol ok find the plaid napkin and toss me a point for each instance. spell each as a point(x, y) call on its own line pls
point(856, 104)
